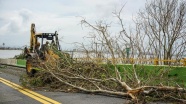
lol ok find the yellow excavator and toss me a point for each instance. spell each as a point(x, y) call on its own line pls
point(36, 55)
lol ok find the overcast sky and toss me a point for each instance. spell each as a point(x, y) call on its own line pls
point(16, 17)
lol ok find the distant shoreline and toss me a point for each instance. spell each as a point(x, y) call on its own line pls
point(9, 48)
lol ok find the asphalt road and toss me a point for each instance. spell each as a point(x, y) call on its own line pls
point(8, 95)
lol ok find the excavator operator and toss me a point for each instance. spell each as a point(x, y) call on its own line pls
point(37, 48)
point(44, 50)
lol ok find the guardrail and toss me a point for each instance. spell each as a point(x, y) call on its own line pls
point(181, 62)
point(14, 62)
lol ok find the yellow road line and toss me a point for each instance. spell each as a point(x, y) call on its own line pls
point(34, 95)
point(28, 94)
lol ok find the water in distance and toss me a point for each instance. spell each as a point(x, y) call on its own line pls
point(9, 53)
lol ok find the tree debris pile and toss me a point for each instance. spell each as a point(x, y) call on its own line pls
point(95, 78)
point(81, 76)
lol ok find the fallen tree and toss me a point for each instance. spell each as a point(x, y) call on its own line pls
point(90, 76)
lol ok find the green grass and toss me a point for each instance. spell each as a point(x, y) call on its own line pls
point(21, 62)
point(177, 72)
point(172, 73)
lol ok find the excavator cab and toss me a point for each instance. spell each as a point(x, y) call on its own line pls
point(36, 54)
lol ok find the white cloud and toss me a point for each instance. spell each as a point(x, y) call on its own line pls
point(49, 16)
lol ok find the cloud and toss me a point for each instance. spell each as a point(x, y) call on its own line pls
point(26, 15)
point(13, 22)
point(64, 15)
